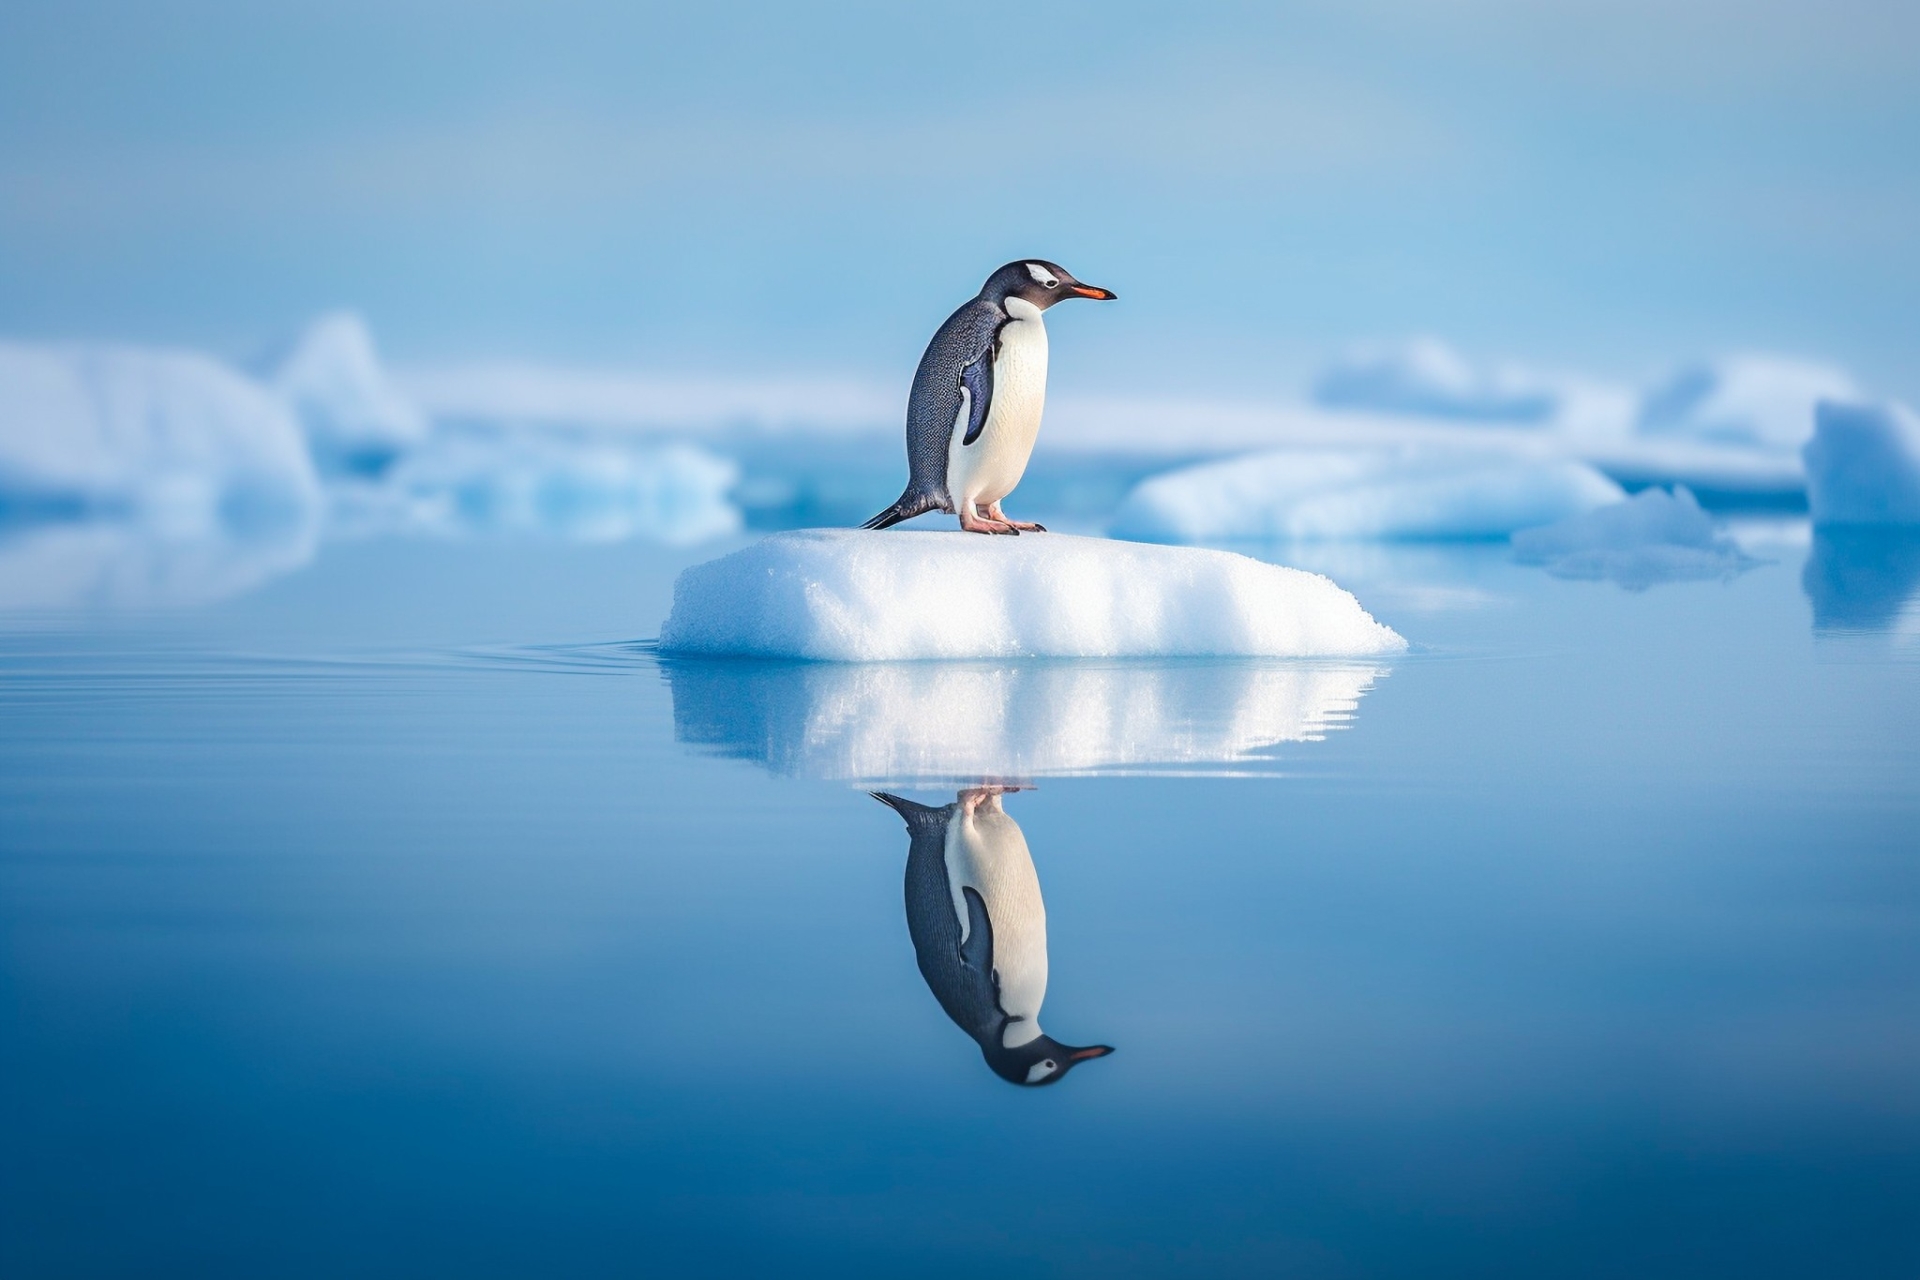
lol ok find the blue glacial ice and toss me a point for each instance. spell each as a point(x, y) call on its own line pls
point(1407, 492)
point(1655, 536)
point(925, 723)
point(1863, 465)
point(855, 596)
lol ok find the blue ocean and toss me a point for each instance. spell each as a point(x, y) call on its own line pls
point(410, 914)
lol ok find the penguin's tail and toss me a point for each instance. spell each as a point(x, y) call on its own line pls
point(909, 505)
point(917, 815)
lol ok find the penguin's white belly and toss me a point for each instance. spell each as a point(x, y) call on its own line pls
point(982, 473)
point(987, 853)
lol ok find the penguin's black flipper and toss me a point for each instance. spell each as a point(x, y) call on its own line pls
point(976, 380)
point(977, 951)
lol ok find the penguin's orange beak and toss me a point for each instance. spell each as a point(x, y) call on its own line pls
point(1094, 291)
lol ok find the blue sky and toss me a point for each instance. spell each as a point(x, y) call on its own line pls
point(776, 189)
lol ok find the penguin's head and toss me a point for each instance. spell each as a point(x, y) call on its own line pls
point(1041, 1060)
point(1039, 282)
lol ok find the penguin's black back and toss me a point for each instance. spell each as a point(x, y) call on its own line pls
point(960, 979)
point(934, 403)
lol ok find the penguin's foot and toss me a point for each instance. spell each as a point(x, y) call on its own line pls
point(1020, 526)
point(981, 524)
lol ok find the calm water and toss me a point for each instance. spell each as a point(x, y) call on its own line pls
point(407, 916)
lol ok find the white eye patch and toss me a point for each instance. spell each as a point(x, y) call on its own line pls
point(1041, 275)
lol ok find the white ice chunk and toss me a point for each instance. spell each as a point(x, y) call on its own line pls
point(1863, 465)
point(1393, 493)
point(1427, 378)
point(1751, 400)
point(355, 418)
point(170, 438)
point(854, 596)
point(920, 723)
point(1654, 536)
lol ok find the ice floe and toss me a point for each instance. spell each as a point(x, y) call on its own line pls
point(1863, 465)
point(856, 596)
point(1427, 378)
point(1655, 536)
point(1409, 492)
point(922, 723)
point(356, 421)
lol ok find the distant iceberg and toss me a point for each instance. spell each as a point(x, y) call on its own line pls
point(855, 596)
point(923, 723)
point(1654, 536)
point(356, 421)
point(1409, 492)
point(171, 439)
point(1863, 465)
point(1427, 378)
point(1764, 402)
point(585, 488)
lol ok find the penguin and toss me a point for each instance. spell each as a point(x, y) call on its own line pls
point(975, 406)
point(979, 931)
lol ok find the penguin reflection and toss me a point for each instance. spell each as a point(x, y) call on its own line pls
point(980, 931)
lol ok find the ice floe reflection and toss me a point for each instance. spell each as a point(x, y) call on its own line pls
point(1864, 579)
point(962, 722)
point(979, 929)
point(111, 564)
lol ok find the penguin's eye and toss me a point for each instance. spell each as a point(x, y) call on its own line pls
point(1043, 276)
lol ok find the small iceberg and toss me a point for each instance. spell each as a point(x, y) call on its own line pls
point(1654, 536)
point(1863, 465)
point(847, 595)
point(169, 439)
point(1410, 493)
point(923, 723)
point(356, 421)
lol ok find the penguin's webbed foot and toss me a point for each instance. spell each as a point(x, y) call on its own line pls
point(982, 524)
point(1016, 526)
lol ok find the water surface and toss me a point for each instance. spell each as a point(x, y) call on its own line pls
point(406, 915)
